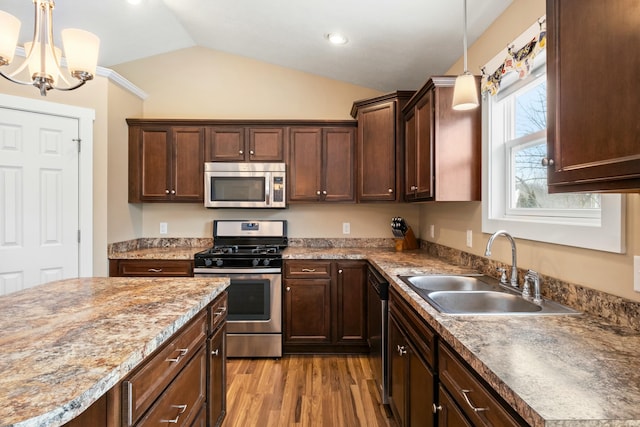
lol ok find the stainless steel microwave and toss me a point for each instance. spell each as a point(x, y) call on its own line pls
point(244, 185)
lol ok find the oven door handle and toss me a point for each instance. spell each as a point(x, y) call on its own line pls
point(223, 271)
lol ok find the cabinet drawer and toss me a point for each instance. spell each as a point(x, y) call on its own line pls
point(217, 312)
point(422, 336)
point(147, 383)
point(474, 399)
point(155, 268)
point(183, 400)
point(307, 269)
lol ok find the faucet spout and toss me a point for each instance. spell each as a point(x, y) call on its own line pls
point(514, 266)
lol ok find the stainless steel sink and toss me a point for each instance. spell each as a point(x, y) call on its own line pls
point(478, 295)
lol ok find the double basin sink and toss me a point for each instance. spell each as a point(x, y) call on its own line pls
point(478, 295)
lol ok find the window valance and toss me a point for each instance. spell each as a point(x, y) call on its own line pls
point(517, 60)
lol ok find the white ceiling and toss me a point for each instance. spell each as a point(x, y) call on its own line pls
point(393, 44)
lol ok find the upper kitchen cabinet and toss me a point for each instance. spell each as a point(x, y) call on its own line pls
point(593, 103)
point(442, 146)
point(379, 146)
point(321, 164)
point(244, 144)
point(166, 163)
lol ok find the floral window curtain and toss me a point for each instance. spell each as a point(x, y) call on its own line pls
point(520, 61)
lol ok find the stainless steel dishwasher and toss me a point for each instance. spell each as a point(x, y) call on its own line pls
point(378, 323)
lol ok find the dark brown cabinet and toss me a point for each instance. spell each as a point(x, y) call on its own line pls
point(411, 361)
point(379, 146)
point(321, 165)
point(442, 146)
point(244, 144)
point(593, 103)
point(324, 306)
point(166, 163)
point(150, 268)
point(216, 368)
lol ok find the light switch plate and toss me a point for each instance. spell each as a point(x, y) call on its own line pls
point(636, 273)
point(469, 238)
point(346, 228)
point(432, 231)
point(164, 228)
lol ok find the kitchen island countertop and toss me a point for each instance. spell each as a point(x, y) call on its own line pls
point(65, 344)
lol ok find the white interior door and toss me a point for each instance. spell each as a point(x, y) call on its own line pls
point(39, 199)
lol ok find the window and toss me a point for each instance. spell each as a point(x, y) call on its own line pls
point(515, 182)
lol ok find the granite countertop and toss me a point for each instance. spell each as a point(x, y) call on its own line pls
point(560, 371)
point(158, 253)
point(65, 344)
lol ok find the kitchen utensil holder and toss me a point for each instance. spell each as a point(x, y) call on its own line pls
point(407, 242)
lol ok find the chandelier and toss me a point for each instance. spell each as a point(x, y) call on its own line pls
point(43, 57)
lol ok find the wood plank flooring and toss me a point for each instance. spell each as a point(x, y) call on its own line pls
point(304, 390)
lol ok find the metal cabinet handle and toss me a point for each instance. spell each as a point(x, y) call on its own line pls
point(181, 408)
point(308, 270)
point(318, 192)
point(401, 350)
point(173, 191)
point(436, 408)
point(324, 192)
point(391, 190)
point(220, 311)
point(251, 152)
point(240, 152)
point(414, 188)
point(340, 271)
point(182, 351)
point(466, 398)
point(154, 270)
point(215, 352)
point(166, 191)
point(288, 288)
point(547, 162)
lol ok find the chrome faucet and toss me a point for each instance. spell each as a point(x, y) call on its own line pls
point(514, 267)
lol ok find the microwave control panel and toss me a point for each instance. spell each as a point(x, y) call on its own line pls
point(278, 189)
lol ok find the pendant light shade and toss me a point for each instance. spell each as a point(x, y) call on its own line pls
point(8, 37)
point(465, 91)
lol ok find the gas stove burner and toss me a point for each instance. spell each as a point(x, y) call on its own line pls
point(265, 250)
point(224, 250)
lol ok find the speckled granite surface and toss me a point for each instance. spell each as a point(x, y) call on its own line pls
point(64, 344)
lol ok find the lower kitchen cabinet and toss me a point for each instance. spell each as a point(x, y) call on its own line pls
point(325, 306)
point(411, 377)
point(217, 351)
point(449, 414)
point(150, 268)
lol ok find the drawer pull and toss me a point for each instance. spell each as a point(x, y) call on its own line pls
point(155, 270)
point(181, 408)
point(182, 351)
point(436, 408)
point(215, 352)
point(466, 398)
point(308, 270)
point(220, 311)
point(401, 350)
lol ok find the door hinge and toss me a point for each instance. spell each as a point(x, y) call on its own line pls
point(78, 140)
point(78, 236)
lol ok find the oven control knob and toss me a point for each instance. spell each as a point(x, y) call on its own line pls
point(255, 262)
point(218, 262)
point(266, 261)
point(207, 262)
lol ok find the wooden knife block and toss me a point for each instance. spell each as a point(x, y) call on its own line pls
point(408, 242)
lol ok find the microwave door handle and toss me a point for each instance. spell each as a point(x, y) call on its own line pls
point(267, 189)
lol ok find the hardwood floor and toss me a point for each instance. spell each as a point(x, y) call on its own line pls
point(303, 390)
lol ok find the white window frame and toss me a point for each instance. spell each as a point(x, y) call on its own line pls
point(604, 232)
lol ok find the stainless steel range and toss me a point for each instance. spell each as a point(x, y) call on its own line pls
point(250, 254)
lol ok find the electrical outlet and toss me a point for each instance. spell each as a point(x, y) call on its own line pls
point(432, 231)
point(636, 273)
point(469, 238)
point(164, 228)
point(346, 228)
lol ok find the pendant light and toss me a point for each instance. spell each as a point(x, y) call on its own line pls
point(465, 92)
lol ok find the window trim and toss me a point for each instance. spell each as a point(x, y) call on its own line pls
point(606, 234)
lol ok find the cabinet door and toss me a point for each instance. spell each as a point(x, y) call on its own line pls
point(592, 119)
point(338, 165)
point(449, 415)
point(351, 302)
point(188, 164)
point(421, 391)
point(307, 306)
point(410, 151)
point(305, 165)
point(217, 395)
point(153, 164)
point(424, 147)
point(398, 372)
point(225, 144)
point(377, 153)
point(266, 144)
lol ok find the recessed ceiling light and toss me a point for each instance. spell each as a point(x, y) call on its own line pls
point(337, 38)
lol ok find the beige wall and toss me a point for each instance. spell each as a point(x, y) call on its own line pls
point(604, 271)
point(203, 83)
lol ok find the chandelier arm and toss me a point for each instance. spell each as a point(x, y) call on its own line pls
point(11, 79)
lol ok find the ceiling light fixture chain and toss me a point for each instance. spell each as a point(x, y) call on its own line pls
point(43, 58)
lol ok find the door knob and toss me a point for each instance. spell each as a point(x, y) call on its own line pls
point(547, 162)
